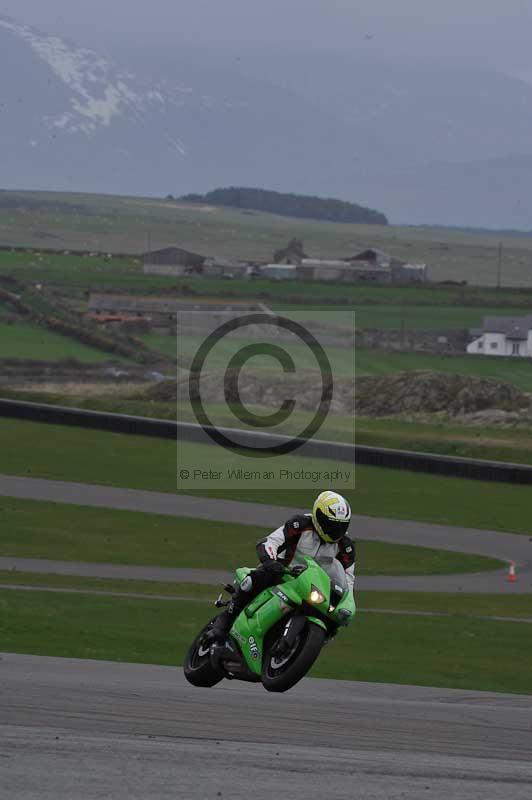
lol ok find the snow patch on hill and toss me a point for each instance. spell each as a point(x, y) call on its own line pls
point(100, 92)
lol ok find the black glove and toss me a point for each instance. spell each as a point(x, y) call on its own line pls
point(298, 569)
point(273, 567)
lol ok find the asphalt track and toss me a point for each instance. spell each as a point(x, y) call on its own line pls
point(504, 546)
point(93, 729)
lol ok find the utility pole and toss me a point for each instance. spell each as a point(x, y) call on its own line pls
point(499, 266)
point(403, 321)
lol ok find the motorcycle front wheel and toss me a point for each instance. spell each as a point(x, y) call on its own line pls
point(197, 667)
point(281, 672)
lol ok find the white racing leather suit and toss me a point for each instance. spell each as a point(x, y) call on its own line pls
point(298, 537)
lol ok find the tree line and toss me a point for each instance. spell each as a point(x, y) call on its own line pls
point(289, 205)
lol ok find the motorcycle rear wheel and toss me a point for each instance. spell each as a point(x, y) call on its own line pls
point(197, 667)
point(281, 673)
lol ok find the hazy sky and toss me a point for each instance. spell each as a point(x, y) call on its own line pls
point(491, 33)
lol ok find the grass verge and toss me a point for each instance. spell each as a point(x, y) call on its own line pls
point(34, 529)
point(198, 592)
point(98, 457)
point(452, 652)
point(463, 604)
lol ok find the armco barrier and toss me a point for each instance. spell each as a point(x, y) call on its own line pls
point(186, 432)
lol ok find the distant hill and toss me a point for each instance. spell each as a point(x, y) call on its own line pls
point(290, 205)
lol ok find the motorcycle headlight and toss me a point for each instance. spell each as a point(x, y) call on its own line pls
point(316, 596)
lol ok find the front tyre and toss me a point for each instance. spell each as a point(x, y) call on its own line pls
point(280, 673)
point(197, 667)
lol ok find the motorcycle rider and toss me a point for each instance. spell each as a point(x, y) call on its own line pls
point(322, 532)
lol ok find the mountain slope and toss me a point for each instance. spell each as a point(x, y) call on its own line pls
point(89, 125)
point(422, 144)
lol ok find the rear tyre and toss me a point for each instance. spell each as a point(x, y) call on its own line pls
point(197, 667)
point(280, 673)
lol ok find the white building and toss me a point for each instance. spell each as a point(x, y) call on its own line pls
point(278, 272)
point(503, 336)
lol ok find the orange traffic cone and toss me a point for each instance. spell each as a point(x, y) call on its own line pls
point(511, 577)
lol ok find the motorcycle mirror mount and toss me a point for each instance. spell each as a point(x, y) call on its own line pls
point(298, 569)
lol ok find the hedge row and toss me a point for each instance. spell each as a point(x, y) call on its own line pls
point(136, 351)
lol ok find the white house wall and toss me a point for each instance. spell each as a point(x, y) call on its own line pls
point(476, 347)
point(496, 344)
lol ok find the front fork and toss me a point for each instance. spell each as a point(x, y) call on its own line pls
point(291, 631)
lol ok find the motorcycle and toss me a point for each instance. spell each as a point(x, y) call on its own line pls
point(278, 636)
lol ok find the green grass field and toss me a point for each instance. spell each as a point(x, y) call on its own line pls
point(127, 224)
point(74, 273)
point(490, 443)
point(341, 297)
point(342, 359)
point(431, 651)
point(345, 362)
point(463, 604)
point(145, 463)
point(25, 340)
point(75, 533)
point(375, 314)
point(379, 362)
point(197, 592)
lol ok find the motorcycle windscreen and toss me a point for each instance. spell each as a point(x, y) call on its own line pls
point(335, 571)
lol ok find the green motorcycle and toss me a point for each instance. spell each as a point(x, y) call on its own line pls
point(278, 636)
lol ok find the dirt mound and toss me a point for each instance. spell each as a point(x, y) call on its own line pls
point(162, 392)
point(419, 392)
point(259, 389)
point(427, 392)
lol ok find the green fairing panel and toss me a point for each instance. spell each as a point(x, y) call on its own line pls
point(249, 631)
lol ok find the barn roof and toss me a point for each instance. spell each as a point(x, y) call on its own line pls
point(169, 251)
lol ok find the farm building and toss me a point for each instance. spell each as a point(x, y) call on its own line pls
point(172, 261)
point(225, 268)
point(377, 258)
point(134, 323)
point(368, 266)
point(293, 254)
point(165, 313)
point(503, 336)
point(157, 312)
point(408, 273)
point(400, 271)
point(340, 271)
